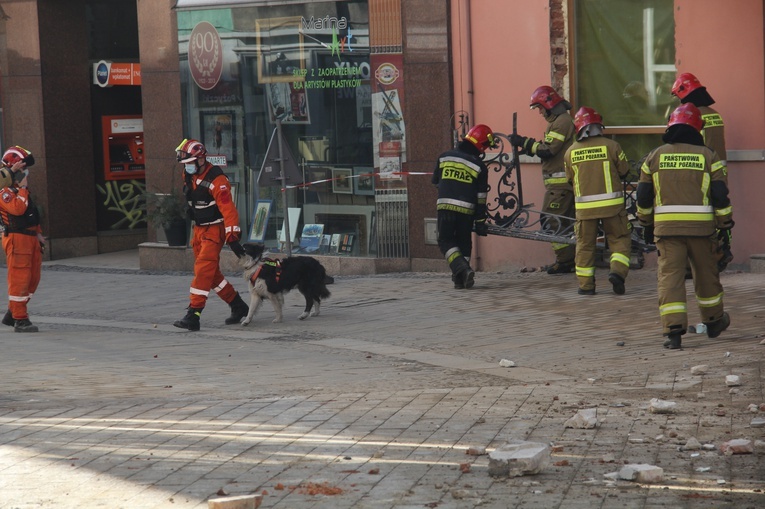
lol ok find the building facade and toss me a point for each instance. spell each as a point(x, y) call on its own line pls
point(328, 116)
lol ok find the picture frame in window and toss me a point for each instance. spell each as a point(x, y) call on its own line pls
point(287, 103)
point(282, 57)
point(341, 181)
point(364, 180)
point(259, 224)
point(320, 179)
point(218, 134)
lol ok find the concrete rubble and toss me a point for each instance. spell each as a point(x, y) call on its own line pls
point(659, 406)
point(732, 380)
point(642, 473)
point(517, 458)
point(700, 369)
point(692, 444)
point(737, 446)
point(583, 419)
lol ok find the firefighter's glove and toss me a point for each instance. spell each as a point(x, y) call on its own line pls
point(724, 237)
point(523, 143)
point(232, 237)
point(518, 141)
point(728, 226)
point(237, 248)
point(648, 234)
point(481, 228)
point(41, 241)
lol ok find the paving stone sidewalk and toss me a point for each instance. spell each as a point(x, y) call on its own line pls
point(374, 403)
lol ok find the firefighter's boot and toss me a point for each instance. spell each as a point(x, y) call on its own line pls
point(561, 268)
point(239, 310)
point(458, 284)
point(190, 321)
point(617, 282)
point(674, 338)
point(8, 319)
point(24, 325)
point(462, 272)
point(716, 328)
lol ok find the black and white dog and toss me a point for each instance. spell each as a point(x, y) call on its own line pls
point(271, 279)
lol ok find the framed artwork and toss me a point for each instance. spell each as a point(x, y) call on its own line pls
point(260, 221)
point(219, 133)
point(311, 238)
point(287, 103)
point(321, 176)
point(282, 53)
point(341, 181)
point(294, 214)
point(364, 181)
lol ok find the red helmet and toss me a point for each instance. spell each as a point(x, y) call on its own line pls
point(481, 137)
point(687, 114)
point(586, 116)
point(685, 84)
point(190, 150)
point(546, 97)
point(15, 154)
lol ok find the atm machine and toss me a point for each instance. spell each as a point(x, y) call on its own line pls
point(123, 147)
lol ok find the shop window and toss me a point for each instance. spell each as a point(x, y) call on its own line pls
point(303, 70)
point(624, 61)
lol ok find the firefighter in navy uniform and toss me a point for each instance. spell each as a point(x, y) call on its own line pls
point(596, 165)
point(559, 196)
point(23, 241)
point(689, 89)
point(462, 180)
point(216, 222)
point(682, 197)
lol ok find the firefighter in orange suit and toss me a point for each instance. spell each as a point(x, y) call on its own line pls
point(216, 222)
point(23, 242)
point(689, 89)
point(595, 166)
point(682, 197)
point(559, 196)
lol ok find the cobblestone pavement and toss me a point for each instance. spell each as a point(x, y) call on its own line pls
point(376, 400)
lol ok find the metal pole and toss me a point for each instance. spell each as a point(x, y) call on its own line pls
point(287, 235)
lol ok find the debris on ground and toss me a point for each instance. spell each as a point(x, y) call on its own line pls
point(642, 473)
point(737, 446)
point(700, 369)
point(692, 444)
point(660, 406)
point(312, 488)
point(583, 419)
point(475, 451)
point(517, 458)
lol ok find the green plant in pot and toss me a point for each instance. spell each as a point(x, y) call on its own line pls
point(168, 210)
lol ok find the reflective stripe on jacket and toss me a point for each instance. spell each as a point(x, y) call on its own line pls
point(462, 183)
point(683, 178)
point(558, 138)
point(595, 166)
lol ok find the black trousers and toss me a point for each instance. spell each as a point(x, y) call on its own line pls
point(455, 230)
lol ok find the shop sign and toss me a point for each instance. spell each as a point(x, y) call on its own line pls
point(126, 125)
point(387, 73)
point(205, 55)
point(107, 74)
point(217, 160)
